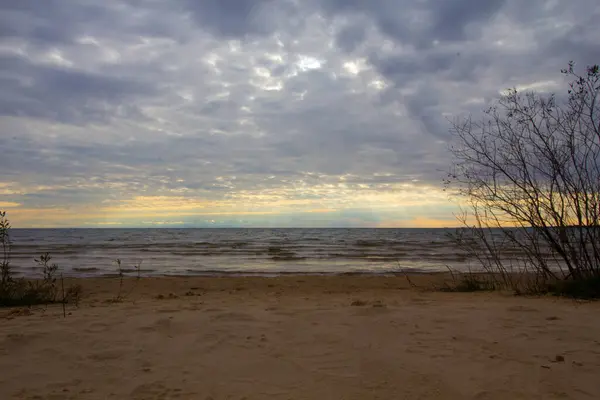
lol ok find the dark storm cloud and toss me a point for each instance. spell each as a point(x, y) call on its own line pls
point(48, 22)
point(55, 22)
point(64, 95)
point(579, 43)
point(234, 18)
point(451, 18)
point(350, 36)
point(217, 98)
point(419, 23)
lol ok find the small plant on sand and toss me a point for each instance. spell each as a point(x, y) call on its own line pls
point(23, 292)
point(5, 273)
point(468, 282)
point(72, 294)
point(48, 283)
point(121, 275)
point(121, 294)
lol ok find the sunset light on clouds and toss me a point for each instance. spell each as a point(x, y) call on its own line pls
point(325, 113)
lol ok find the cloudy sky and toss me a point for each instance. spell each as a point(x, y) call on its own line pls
point(259, 112)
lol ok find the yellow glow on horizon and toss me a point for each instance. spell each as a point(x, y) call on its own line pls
point(420, 222)
point(8, 204)
point(398, 205)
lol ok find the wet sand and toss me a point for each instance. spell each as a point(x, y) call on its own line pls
point(300, 337)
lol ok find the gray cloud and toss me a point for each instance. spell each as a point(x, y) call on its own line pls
point(64, 95)
point(234, 18)
point(350, 36)
point(105, 101)
point(419, 23)
point(63, 22)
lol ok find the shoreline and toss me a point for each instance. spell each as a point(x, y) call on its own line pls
point(80, 273)
point(96, 288)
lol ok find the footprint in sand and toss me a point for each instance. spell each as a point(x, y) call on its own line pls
point(13, 341)
point(164, 326)
point(213, 310)
point(107, 355)
point(158, 390)
point(522, 309)
point(233, 316)
point(97, 327)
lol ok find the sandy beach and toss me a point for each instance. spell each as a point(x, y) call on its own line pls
point(299, 337)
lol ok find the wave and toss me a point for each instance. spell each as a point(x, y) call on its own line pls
point(368, 243)
point(288, 257)
point(91, 252)
point(218, 272)
point(134, 270)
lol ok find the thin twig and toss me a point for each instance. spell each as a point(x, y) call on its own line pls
point(406, 275)
point(451, 274)
point(62, 283)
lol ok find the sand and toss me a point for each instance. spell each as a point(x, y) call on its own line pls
point(300, 337)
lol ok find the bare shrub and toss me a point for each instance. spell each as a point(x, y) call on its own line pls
point(468, 282)
point(529, 174)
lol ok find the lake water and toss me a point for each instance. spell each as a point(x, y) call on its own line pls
point(92, 252)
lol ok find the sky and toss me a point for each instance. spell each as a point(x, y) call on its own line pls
point(269, 113)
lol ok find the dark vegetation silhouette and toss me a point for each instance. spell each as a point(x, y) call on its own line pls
point(26, 292)
point(528, 177)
